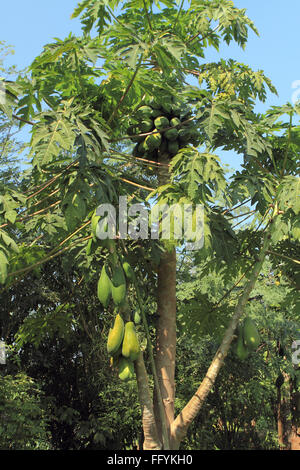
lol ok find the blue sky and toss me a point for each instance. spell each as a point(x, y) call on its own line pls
point(27, 26)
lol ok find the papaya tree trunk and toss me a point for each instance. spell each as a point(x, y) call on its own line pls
point(165, 352)
point(151, 439)
point(166, 333)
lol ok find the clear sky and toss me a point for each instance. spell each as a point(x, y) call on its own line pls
point(28, 25)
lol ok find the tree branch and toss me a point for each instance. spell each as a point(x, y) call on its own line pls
point(182, 422)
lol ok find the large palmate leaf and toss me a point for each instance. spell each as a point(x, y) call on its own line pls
point(201, 173)
point(289, 194)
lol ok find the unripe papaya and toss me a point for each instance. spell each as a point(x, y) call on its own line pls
point(137, 318)
point(125, 369)
point(146, 125)
point(144, 112)
point(115, 336)
point(118, 286)
point(104, 288)
point(130, 346)
point(175, 122)
point(241, 350)
point(161, 122)
point(153, 141)
point(171, 134)
point(94, 223)
point(128, 270)
point(250, 334)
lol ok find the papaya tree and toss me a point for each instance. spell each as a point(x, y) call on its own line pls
point(131, 112)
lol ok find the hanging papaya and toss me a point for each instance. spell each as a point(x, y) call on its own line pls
point(137, 318)
point(118, 286)
point(161, 122)
point(171, 134)
point(144, 112)
point(115, 336)
point(104, 288)
point(175, 122)
point(94, 223)
point(130, 346)
point(153, 141)
point(125, 369)
point(128, 270)
point(146, 125)
point(250, 334)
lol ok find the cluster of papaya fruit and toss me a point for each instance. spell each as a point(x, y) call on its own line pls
point(248, 339)
point(123, 347)
point(112, 283)
point(168, 126)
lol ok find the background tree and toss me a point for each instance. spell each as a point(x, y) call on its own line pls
point(79, 97)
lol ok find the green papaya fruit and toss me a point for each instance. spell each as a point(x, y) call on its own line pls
point(171, 134)
point(118, 286)
point(144, 112)
point(240, 349)
point(128, 271)
point(130, 345)
point(94, 222)
point(104, 288)
point(115, 336)
point(161, 122)
point(136, 318)
point(175, 122)
point(125, 369)
point(173, 147)
point(250, 334)
point(153, 141)
point(146, 125)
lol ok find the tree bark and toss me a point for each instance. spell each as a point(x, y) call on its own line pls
point(151, 439)
point(165, 353)
point(166, 333)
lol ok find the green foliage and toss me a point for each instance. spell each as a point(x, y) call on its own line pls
point(23, 423)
